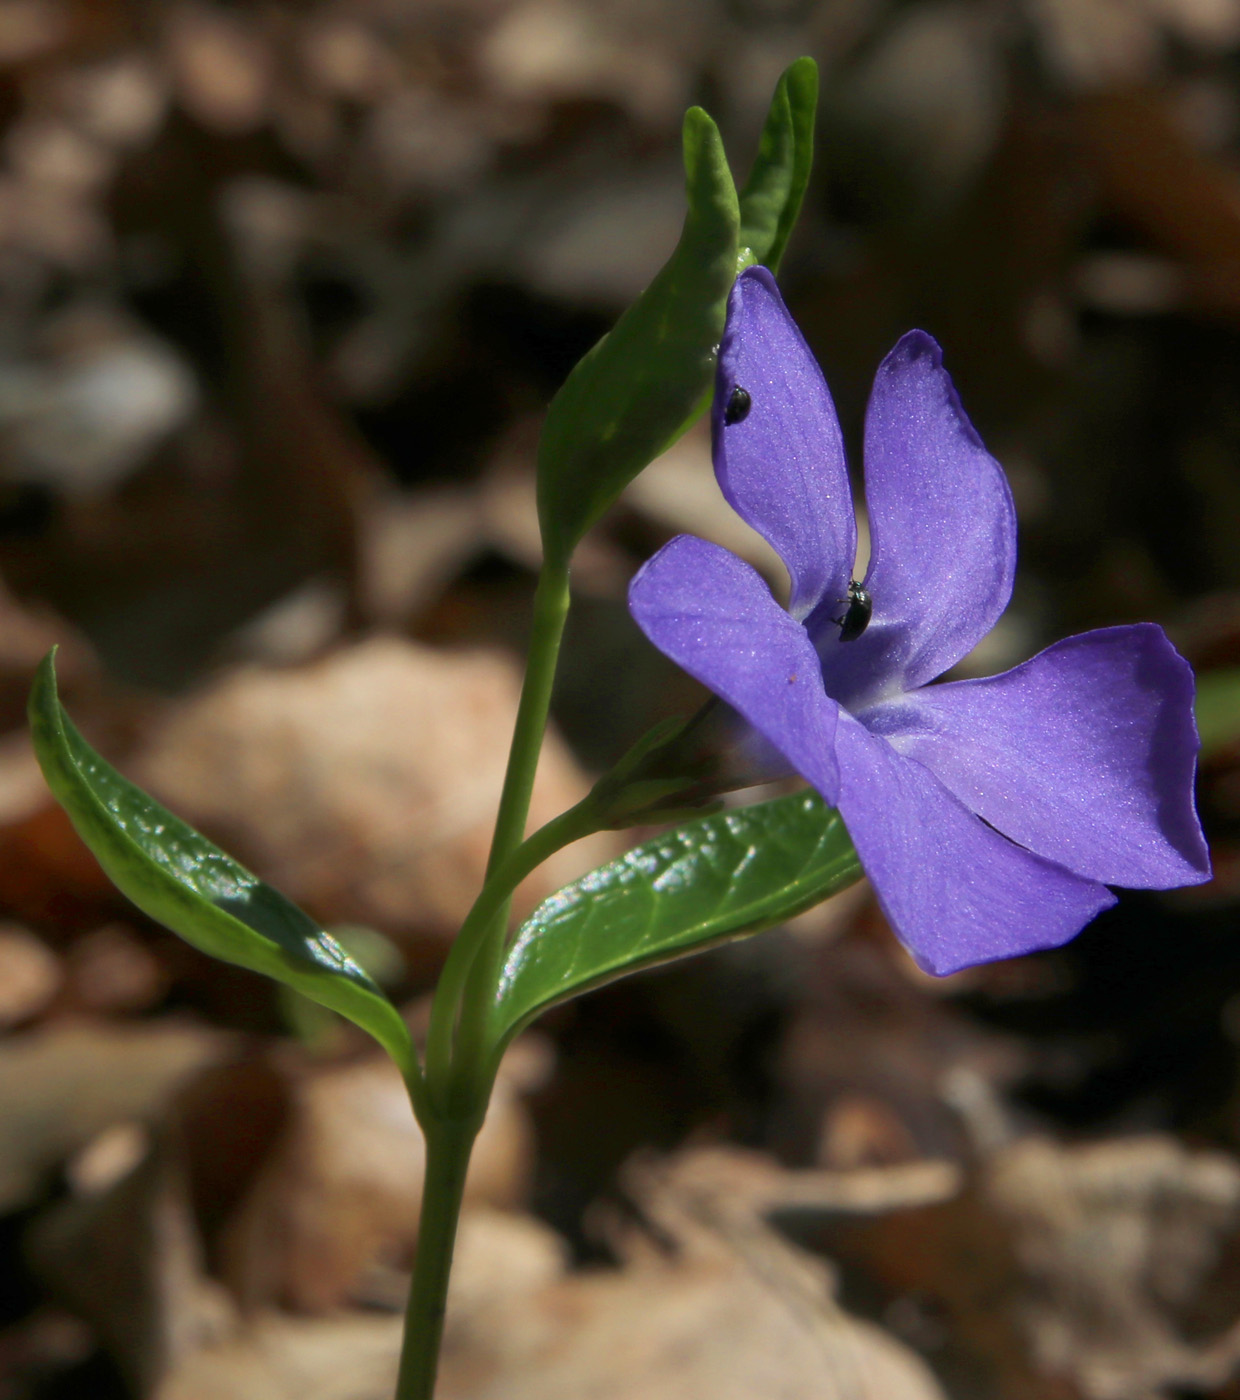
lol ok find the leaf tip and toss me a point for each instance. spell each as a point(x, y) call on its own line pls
point(42, 709)
point(47, 667)
point(698, 124)
point(703, 145)
point(802, 75)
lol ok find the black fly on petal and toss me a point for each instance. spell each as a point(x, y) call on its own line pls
point(739, 404)
point(857, 618)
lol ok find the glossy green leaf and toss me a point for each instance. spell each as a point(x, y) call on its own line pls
point(771, 199)
point(1218, 709)
point(711, 880)
point(181, 879)
point(633, 394)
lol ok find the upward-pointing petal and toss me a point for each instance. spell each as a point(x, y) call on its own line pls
point(942, 532)
point(714, 616)
point(781, 464)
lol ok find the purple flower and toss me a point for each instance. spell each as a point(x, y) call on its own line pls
point(990, 815)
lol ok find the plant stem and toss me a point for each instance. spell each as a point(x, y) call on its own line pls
point(473, 964)
point(546, 631)
point(569, 826)
point(551, 602)
point(458, 1079)
point(474, 1034)
point(449, 1142)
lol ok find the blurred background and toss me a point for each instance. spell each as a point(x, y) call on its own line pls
point(284, 290)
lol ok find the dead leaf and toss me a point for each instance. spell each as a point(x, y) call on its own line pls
point(285, 1358)
point(111, 969)
point(220, 66)
point(61, 1086)
point(30, 975)
point(339, 1193)
point(1079, 1271)
point(130, 1262)
point(1116, 1239)
point(500, 1258)
point(723, 1309)
point(714, 1304)
point(364, 785)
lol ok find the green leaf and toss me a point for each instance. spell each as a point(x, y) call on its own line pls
point(181, 879)
point(708, 881)
point(1218, 709)
point(771, 199)
point(638, 389)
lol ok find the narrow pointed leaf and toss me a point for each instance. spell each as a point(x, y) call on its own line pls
point(646, 380)
point(185, 882)
point(706, 882)
point(771, 199)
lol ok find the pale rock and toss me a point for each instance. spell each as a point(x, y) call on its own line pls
point(30, 975)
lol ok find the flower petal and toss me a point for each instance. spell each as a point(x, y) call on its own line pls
point(1084, 754)
point(715, 617)
point(955, 892)
point(781, 465)
point(942, 531)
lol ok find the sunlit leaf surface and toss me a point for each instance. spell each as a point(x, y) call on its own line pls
point(713, 879)
point(180, 878)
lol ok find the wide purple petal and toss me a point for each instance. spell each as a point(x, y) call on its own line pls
point(715, 617)
point(955, 891)
point(781, 465)
point(1085, 754)
point(942, 534)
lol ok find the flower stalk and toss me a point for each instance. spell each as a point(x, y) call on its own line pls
point(459, 1068)
point(449, 1143)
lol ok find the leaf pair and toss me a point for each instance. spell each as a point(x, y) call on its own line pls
point(650, 376)
point(712, 879)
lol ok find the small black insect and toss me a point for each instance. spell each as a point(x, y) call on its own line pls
point(857, 618)
point(739, 404)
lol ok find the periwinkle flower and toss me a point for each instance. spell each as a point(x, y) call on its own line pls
point(991, 814)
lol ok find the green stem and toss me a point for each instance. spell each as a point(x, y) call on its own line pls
point(478, 998)
point(546, 631)
point(491, 902)
point(456, 1083)
point(551, 603)
point(473, 964)
point(449, 1143)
